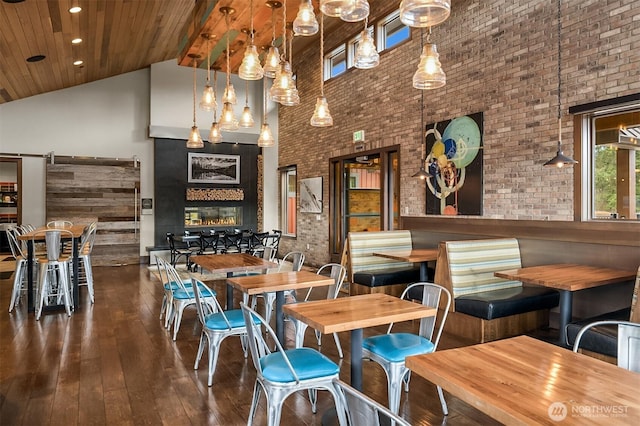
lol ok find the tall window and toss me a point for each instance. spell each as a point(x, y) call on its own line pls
point(611, 158)
point(288, 200)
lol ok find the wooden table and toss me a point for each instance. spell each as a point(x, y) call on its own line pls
point(356, 313)
point(39, 235)
point(422, 256)
point(524, 381)
point(567, 278)
point(230, 263)
point(279, 282)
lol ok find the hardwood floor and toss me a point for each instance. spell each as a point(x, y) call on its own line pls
point(114, 363)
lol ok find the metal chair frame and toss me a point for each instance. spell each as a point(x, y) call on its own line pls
point(628, 342)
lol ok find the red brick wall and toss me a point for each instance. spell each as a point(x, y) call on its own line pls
point(500, 57)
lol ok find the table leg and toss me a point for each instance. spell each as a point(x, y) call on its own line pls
point(356, 358)
point(76, 279)
point(566, 310)
point(229, 293)
point(423, 272)
point(280, 317)
point(30, 298)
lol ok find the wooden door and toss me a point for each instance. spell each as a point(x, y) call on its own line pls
point(84, 190)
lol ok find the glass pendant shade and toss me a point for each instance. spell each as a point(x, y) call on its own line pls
point(208, 100)
point(195, 140)
point(321, 115)
point(229, 95)
point(366, 55)
point(359, 11)
point(265, 139)
point(271, 62)
point(246, 119)
point(215, 135)
point(305, 23)
point(292, 98)
point(424, 13)
point(429, 74)
point(335, 8)
point(228, 118)
point(282, 84)
point(250, 69)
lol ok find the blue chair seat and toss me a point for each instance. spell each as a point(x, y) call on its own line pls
point(174, 285)
point(395, 347)
point(308, 364)
point(188, 294)
point(235, 318)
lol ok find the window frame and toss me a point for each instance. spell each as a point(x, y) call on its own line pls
point(381, 31)
point(285, 195)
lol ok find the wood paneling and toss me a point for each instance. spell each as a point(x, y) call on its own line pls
point(102, 190)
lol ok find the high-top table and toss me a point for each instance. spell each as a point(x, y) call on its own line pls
point(567, 278)
point(279, 282)
point(422, 256)
point(524, 381)
point(353, 314)
point(39, 235)
point(229, 263)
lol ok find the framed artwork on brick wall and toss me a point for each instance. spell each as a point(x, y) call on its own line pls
point(214, 168)
point(454, 164)
point(311, 195)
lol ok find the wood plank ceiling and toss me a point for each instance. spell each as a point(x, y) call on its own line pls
point(120, 36)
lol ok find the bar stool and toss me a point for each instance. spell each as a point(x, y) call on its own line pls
point(54, 277)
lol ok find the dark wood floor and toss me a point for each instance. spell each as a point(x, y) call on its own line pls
point(114, 363)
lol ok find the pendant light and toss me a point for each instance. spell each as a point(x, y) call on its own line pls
point(305, 23)
point(560, 159)
point(283, 84)
point(250, 69)
point(227, 117)
point(321, 115)
point(208, 100)
point(265, 139)
point(272, 61)
point(424, 13)
point(429, 74)
point(215, 135)
point(246, 119)
point(292, 97)
point(366, 54)
point(335, 8)
point(195, 140)
point(357, 13)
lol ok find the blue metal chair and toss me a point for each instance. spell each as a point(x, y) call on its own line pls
point(281, 373)
point(217, 325)
point(390, 350)
point(338, 273)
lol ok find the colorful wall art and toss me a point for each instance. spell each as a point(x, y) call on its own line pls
point(454, 164)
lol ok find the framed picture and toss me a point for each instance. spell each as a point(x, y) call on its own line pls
point(214, 168)
point(311, 195)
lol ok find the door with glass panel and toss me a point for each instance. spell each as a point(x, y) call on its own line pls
point(364, 195)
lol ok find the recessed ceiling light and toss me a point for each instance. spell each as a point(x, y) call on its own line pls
point(75, 9)
point(76, 40)
point(35, 58)
point(78, 62)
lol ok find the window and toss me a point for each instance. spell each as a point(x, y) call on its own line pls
point(611, 158)
point(353, 47)
point(288, 199)
point(391, 32)
point(335, 62)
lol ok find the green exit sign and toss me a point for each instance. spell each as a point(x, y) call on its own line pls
point(358, 136)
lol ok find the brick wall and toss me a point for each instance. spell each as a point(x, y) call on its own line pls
point(500, 57)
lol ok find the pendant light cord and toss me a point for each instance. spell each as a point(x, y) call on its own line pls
point(273, 26)
point(208, 61)
point(322, 54)
point(251, 11)
point(284, 30)
point(194, 91)
point(215, 90)
point(559, 60)
point(423, 145)
point(226, 19)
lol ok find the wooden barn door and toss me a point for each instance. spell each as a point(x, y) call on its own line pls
point(85, 190)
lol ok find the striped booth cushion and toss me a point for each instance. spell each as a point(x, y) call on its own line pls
point(473, 262)
point(362, 245)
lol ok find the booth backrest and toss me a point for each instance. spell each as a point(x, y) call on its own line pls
point(362, 245)
point(467, 267)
